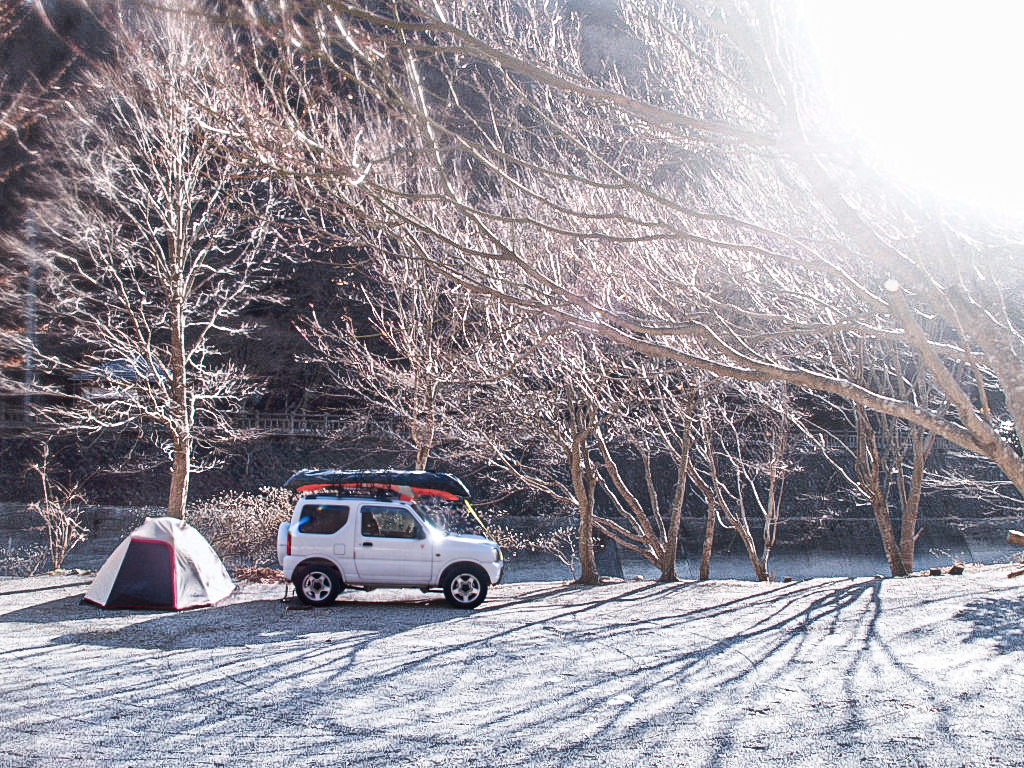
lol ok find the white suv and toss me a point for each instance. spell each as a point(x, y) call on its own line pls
point(338, 539)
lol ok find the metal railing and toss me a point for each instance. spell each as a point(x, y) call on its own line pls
point(289, 424)
point(277, 424)
point(298, 424)
point(847, 441)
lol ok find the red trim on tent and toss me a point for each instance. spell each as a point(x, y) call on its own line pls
point(144, 607)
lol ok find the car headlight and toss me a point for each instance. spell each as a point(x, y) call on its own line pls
point(496, 552)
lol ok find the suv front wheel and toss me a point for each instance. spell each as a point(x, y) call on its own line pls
point(317, 585)
point(465, 586)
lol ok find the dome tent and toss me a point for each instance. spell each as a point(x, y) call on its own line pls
point(163, 564)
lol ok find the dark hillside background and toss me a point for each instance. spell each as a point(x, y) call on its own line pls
point(44, 45)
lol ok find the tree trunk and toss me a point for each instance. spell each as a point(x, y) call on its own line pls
point(422, 456)
point(709, 544)
point(908, 534)
point(667, 565)
point(31, 316)
point(889, 542)
point(922, 447)
point(870, 478)
point(671, 553)
point(181, 471)
point(584, 481)
point(760, 567)
point(908, 545)
point(181, 459)
point(588, 560)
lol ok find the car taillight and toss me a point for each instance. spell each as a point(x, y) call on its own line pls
point(289, 542)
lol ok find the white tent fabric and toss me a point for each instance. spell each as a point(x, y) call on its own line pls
point(164, 563)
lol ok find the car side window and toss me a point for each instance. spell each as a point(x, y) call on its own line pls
point(323, 518)
point(391, 523)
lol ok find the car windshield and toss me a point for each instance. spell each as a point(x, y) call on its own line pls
point(447, 516)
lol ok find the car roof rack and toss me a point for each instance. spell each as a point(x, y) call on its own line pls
point(354, 493)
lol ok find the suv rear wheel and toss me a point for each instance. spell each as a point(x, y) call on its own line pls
point(465, 586)
point(317, 585)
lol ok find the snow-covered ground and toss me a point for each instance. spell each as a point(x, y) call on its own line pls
point(830, 671)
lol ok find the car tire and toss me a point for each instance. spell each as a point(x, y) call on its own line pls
point(317, 585)
point(465, 586)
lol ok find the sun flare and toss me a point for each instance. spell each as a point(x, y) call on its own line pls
point(932, 91)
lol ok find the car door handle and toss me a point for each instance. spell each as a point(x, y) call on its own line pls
point(367, 543)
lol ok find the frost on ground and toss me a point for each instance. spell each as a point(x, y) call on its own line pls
point(919, 671)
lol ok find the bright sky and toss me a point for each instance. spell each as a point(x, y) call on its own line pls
point(933, 88)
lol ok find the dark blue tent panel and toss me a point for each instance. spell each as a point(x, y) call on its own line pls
point(146, 577)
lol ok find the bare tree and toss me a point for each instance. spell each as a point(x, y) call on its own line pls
point(37, 64)
point(157, 242)
point(531, 415)
point(38, 61)
point(708, 220)
point(645, 446)
point(743, 457)
point(889, 456)
point(403, 349)
point(605, 434)
point(890, 463)
point(435, 362)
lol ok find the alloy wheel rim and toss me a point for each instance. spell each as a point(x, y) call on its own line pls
point(465, 588)
point(316, 586)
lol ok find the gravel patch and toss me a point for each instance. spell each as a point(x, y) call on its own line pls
point(920, 671)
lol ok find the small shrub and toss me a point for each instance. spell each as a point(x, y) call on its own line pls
point(242, 527)
point(561, 543)
point(511, 541)
point(64, 527)
point(61, 510)
point(260, 574)
point(22, 561)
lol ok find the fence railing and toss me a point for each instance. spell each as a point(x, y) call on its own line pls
point(283, 424)
point(847, 441)
point(299, 424)
point(289, 424)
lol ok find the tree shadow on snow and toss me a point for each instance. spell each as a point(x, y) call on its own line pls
point(998, 619)
point(556, 674)
point(258, 622)
point(34, 590)
point(235, 624)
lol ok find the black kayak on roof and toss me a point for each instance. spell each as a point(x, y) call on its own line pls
point(418, 481)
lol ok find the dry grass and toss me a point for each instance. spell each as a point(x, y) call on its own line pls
point(258, 574)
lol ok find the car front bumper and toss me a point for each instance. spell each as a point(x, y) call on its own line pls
point(495, 571)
